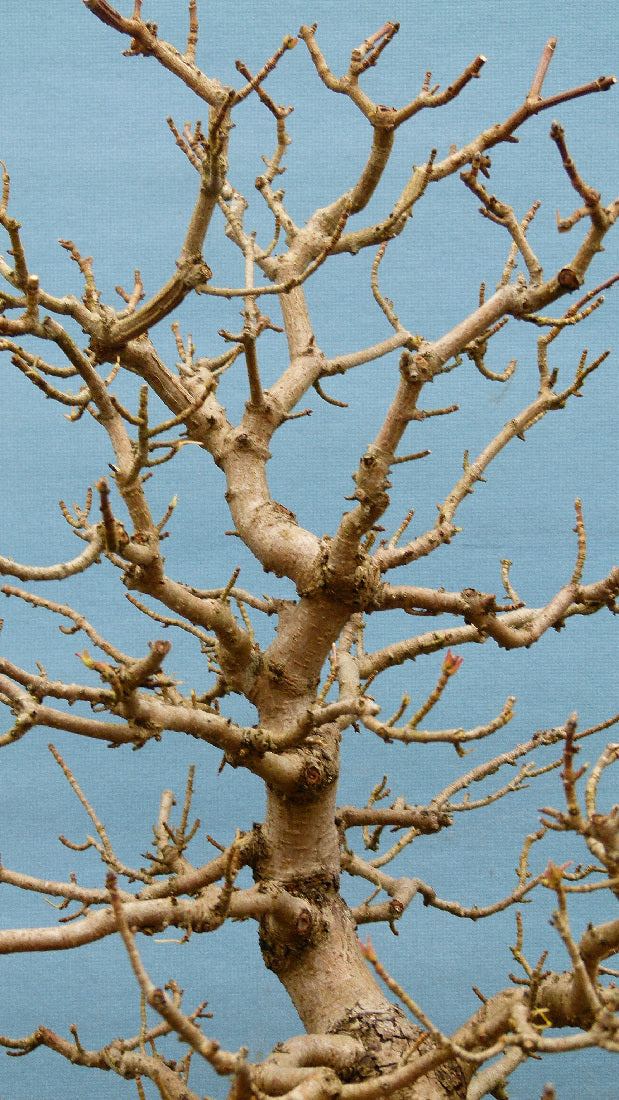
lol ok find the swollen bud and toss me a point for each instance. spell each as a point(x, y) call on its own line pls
point(86, 658)
point(451, 664)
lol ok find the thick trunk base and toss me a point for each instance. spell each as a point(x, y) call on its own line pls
point(387, 1036)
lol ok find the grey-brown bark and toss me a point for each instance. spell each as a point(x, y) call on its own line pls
point(310, 682)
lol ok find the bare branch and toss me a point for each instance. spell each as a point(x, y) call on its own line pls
point(88, 557)
point(144, 41)
point(306, 674)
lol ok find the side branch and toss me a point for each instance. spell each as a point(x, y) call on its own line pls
point(90, 555)
point(516, 628)
point(144, 41)
point(409, 733)
point(149, 914)
point(532, 105)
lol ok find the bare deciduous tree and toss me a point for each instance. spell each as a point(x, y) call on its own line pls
point(313, 681)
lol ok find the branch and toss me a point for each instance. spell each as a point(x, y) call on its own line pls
point(366, 56)
point(119, 1056)
point(160, 905)
point(153, 916)
point(390, 556)
point(487, 139)
point(572, 599)
point(409, 734)
point(510, 629)
point(533, 105)
point(222, 1062)
point(144, 41)
point(90, 555)
point(420, 818)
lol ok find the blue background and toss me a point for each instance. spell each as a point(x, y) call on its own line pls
point(84, 138)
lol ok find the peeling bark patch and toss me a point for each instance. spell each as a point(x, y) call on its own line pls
point(279, 951)
point(387, 1037)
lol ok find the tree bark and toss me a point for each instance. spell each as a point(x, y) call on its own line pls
point(317, 956)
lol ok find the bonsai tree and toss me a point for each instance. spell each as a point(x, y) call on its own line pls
point(288, 678)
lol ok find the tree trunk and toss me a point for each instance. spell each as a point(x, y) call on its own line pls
point(317, 955)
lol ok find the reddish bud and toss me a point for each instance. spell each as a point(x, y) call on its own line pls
point(554, 874)
point(451, 664)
